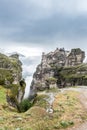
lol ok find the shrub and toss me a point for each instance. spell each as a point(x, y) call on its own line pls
point(25, 105)
point(2, 81)
point(52, 80)
point(65, 124)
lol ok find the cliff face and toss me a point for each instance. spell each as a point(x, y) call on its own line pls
point(10, 78)
point(10, 70)
point(48, 74)
point(75, 57)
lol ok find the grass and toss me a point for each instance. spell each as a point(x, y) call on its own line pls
point(41, 100)
point(67, 112)
point(2, 95)
point(53, 90)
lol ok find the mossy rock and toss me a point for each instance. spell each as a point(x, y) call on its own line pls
point(51, 80)
point(73, 74)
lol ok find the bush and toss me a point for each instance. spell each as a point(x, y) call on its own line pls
point(25, 105)
point(2, 81)
point(65, 124)
point(52, 80)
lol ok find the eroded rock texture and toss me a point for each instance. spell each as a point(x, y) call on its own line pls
point(10, 78)
point(48, 74)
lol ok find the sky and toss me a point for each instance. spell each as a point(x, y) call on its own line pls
point(33, 26)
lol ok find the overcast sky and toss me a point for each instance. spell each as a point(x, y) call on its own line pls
point(33, 26)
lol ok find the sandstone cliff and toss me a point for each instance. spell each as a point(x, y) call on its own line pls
point(55, 69)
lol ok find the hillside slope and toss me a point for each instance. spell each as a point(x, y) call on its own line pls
point(68, 112)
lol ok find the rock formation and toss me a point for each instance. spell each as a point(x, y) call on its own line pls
point(10, 69)
point(48, 74)
point(10, 78)
point(75, 57)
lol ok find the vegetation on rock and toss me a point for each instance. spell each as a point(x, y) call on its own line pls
point(10, 78)
point(60, 68)
point(74, 75)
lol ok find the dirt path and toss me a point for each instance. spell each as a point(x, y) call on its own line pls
point(81, 127)
point(82, 96)
point(83, 100)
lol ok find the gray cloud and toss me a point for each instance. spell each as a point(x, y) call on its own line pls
point(33, 22)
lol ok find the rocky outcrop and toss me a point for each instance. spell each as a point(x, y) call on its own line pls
point(75, 57)
point(48, 74)
point(11, 78)
point(10, 70)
